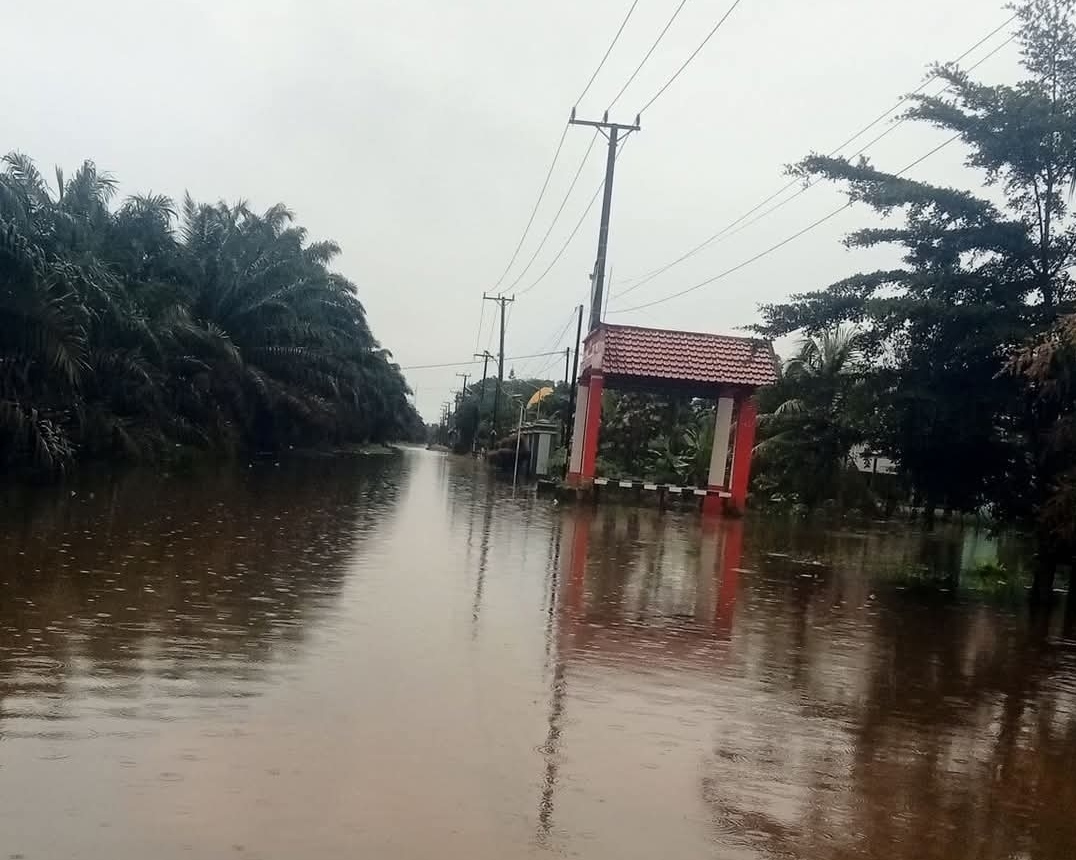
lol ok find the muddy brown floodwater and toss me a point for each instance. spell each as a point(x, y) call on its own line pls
point(396, 659)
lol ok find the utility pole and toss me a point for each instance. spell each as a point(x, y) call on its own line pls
point(461, 400)
point(611, 130)
point(502, 301)
point(485, 355)
point(575, 366)
point(567, 358)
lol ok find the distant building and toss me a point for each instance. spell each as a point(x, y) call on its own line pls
point(868, 461)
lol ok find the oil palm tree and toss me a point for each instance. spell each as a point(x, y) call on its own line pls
point(810, 422)
point(126, 331)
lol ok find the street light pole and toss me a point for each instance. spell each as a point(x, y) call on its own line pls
point(519, 438)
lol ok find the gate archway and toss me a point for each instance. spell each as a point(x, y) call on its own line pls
point(725, 369)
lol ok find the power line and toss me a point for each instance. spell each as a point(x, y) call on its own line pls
point(534, 210)
point(481, 319)
point(556, 153)
point(722, 233)
point(780, 244)
point(556, 216)
point(567, 242)
point(476, 361)
point(571, 235)
point(807, 186)
point(560, 337)
point(557, 337)
point(740, 227)
point(646, 56)
point(608, 51)
point(545, 367)
point(493, 330)
point(694, 53)
point(511, 308)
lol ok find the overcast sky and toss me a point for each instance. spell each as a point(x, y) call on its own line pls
point(417, 133)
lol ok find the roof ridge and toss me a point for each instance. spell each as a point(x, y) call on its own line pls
point(736, 337)
point(672, 354)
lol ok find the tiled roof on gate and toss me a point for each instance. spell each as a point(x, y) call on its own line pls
point(688, 356)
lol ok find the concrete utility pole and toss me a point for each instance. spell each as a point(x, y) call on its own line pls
point(485, 355)
point(445, 412)
point(461, 398)
point(567, 359)
point(503, 301)
point(575, 365)
point(611, 130)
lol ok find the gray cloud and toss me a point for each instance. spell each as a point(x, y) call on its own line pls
point(417, 133)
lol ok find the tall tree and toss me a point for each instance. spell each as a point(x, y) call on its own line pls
point(977, 279)
point(813, 419)
point(121, 336)
point(1048, 365)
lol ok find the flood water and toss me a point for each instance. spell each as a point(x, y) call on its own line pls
point(396, 659)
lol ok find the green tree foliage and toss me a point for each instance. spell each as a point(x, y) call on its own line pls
point(812, 418)
point(655, 437)
point(1048, 366)
point(471, 424)
point(129, 331)
point(978, 280)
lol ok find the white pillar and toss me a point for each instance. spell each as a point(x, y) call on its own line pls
point(540, 463)
point(719, 456)
point(579, 425)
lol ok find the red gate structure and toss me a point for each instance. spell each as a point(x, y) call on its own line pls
point(725, 369)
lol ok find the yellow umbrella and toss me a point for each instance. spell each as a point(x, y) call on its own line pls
point(539, 395)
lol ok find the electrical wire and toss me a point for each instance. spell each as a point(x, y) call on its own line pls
point(556, 153)
point(740, 227)
point(508, 320)
point(728, 228)
point(492, 332)
point(541, 371)
point(475, 361)
point(481, 320)
point(571, 235)
point(558, 338)
point(694, 53)
point(807, 186)
point(646, 56)
point(537, 203)
point(780, 244)
point(556, 217)
point(608, 51)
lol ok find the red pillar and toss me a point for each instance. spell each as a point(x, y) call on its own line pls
point(746, 421)
point(593, 427)
point(731, 559)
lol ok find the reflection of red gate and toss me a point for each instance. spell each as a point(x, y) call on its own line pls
point(588, 628)
point(725, 369)
point(720, 557)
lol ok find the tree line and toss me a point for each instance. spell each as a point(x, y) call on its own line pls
point(145, 330)
point(959, 362)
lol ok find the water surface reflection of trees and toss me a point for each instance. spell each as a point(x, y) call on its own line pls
point(894, 725)
point(850, 719)
point(192, 579)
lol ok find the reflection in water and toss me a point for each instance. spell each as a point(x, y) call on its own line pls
point(124, 600)
point(398, 659)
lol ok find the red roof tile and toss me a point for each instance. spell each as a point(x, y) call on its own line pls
point(710, 359)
